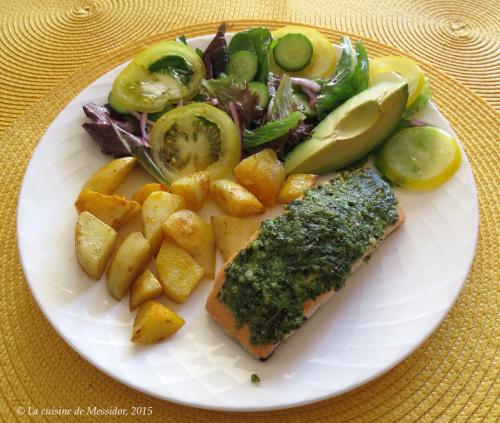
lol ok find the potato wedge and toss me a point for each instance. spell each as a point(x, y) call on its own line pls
point(195, 235)
point(155, 322)
point(110, 176)
point(262, 174)
point(234, 199)
point(155, 211)
point(113, 210)
point(232, 233)
point(128, 262)
point(143, 192)
point(144, 288)
point(295, 186)
point(179, 273)
point(193, 188)
point(94, 244)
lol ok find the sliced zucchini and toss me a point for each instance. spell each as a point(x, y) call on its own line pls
point(243, 66)
point(293, 52)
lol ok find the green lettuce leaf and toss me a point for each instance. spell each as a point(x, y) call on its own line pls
point(350, 77)
point(257, 41)
point(271, 130)
point(283, 104)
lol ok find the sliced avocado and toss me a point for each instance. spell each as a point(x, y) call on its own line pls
point(352, 130)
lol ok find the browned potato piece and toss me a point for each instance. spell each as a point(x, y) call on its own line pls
point(94, 244)
point(110, 176)
point(234, 199)
point(128, 262)
point(195, 235)
point(155, 322)
point(111, 209)
point(232, 233)
point(155, 211)
point(262, 174)
point(143, 192)
point(179, 273)
point(193, 188)
point(295, 186)
point(145, 287)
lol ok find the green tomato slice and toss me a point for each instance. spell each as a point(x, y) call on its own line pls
point(419, 158)
point(193, 138)
point(165, 72)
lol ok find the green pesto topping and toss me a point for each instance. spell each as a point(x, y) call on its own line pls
point(305, 252)
point(254, 378)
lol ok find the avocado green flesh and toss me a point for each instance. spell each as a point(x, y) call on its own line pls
point(351, 131)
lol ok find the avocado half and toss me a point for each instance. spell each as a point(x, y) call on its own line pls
point(351, 131)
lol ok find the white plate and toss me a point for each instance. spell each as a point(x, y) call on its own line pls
point(388, 308)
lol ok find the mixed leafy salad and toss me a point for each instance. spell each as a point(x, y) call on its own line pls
point(180, 110)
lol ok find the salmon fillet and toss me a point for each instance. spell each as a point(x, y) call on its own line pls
point(227, 319)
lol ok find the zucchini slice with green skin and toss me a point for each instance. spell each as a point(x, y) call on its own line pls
point(262, 91)
point(243, 66)
point(293, 52)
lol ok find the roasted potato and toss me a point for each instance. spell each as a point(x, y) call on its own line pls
point(295, 186)
point(179, 273)
point(144, 288)
point(232, 233)
point(128, 262)
point(155, 211)
point(193, 188)
point(143, 192)
point(262, 174)
point(94, 244)
point(111, 209)
point(234, 199)
point(110, 176)
point(195, 235)
point(155, 322)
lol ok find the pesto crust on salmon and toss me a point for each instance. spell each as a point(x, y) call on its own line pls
point(295, 262)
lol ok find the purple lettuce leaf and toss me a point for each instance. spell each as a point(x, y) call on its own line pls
point(99, 127)
point(216, 56)
point(286, 143)
point(225, 91)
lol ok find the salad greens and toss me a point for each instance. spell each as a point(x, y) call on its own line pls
point(271, 130)
point(350, 77)
point(257, 41)
point(215, 57)
point(284, 103)
point(175, 66)
point(99, 126)
point(270, 108)
point(141, 150)
point(225, 92)
point(420, 102)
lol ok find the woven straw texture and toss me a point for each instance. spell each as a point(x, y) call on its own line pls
point(50, 50)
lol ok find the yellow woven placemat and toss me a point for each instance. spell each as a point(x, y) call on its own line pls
point(452, 377)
